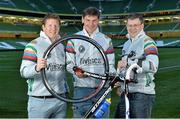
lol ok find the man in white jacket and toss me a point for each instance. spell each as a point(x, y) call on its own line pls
point(41, 103)
point(84, 54)
point(141, 94)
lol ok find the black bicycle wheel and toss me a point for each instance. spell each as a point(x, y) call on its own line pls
point(92, 60)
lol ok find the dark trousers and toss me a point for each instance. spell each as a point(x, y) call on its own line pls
point(140, 105)
point(80, 109)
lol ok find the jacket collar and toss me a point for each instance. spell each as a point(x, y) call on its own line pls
point(46, 38)
point(92, 35)
point(141, 33)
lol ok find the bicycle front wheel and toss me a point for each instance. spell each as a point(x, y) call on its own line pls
point(76, 51)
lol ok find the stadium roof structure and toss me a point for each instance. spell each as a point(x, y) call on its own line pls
point(75, 7)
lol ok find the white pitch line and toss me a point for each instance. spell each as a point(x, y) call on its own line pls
point(169, 67)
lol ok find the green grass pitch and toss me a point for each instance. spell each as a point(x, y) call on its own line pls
point(13, 89)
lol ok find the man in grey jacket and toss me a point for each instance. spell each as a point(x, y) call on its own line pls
point(86, 55)
point(41, 103)
point(141, 94)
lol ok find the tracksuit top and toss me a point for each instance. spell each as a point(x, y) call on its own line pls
point(55, 70)
point(143, 44)
point(82, 53)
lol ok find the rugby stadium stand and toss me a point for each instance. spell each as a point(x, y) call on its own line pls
point(24, 16)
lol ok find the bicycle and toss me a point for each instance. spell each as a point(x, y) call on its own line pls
point(103, 78)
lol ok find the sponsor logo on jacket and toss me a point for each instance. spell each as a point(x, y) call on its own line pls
point(90, 61)
point(55, 67)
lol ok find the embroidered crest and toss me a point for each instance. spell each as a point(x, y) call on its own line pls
point(81, 49)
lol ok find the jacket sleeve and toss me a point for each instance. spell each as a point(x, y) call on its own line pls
point(70, 56)
point(29, 59)
point(27, 69)
point(111, 57)
point(150, 64)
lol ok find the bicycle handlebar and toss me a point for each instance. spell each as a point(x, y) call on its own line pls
point(112, 77)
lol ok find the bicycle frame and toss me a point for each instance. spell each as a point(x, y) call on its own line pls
point(104, 77)
point(111, 86)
